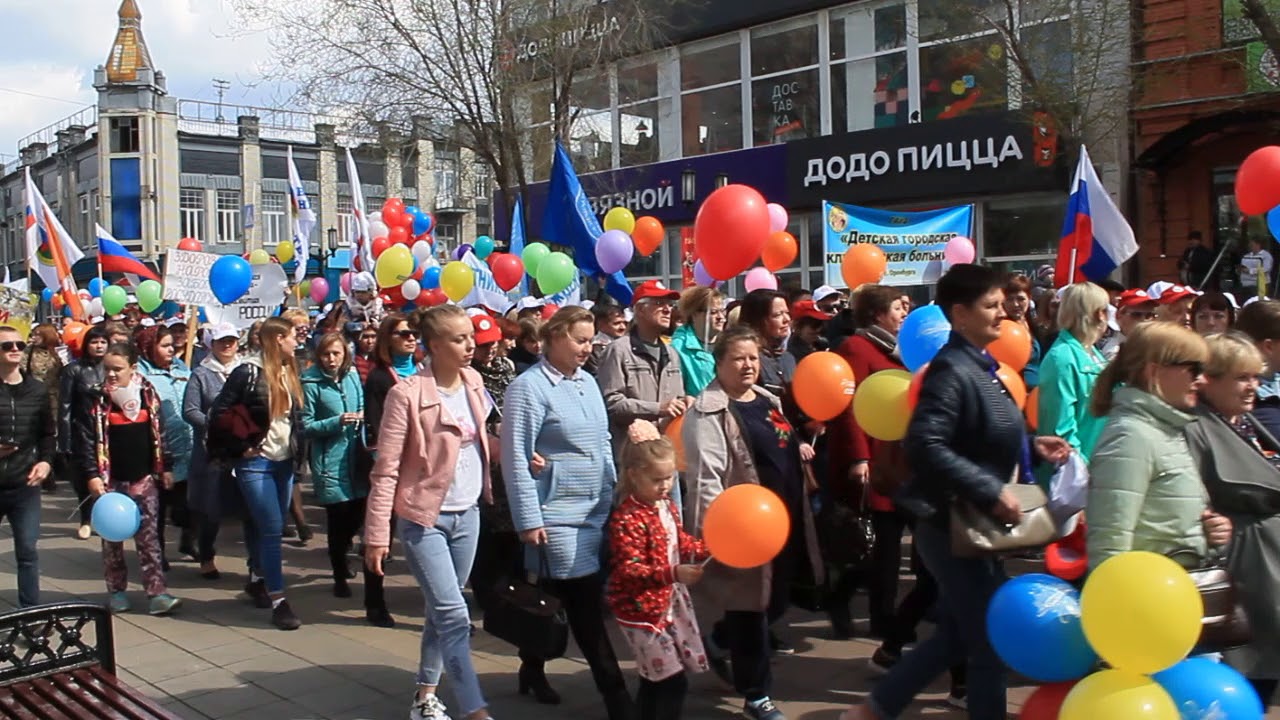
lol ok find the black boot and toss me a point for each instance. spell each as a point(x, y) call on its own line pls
point(535, 680)
point(619, 706)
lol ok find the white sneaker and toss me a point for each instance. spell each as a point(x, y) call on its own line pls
point(84, 532)
point(427, 707)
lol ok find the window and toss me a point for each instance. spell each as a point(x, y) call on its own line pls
point(229, 224)
point(638, 114)
point(1023, 227)
point(591, 125)
point(86, 218)
point(869, 78)
point(784, 87)
point(191, 207)
point(942, 19)
point(959, 78)
point(711, 118)
point(274, 219)
point(482, 181)
point(1048, 47)
point(446, 178)
point(346, 219)
point(124, 135)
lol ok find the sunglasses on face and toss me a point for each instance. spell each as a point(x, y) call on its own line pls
point(11, 345)
point(407, 334)
point(1194, 368)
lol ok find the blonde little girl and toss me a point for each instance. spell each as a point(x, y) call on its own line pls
point(653, 562)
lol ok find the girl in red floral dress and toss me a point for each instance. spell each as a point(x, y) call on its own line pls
point(653, 562)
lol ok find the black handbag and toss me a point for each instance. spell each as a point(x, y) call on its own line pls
point(845, 533)
point(1225, 624)
point(524, 614)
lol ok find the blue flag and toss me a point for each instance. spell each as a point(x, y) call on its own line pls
point(569, 220)
point(516, 246)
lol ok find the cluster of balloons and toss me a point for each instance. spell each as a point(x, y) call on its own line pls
point(1140, 613)
point(734, 228)
point(1257, 189)
point(624, 234)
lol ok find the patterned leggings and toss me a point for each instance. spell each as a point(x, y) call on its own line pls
point(146, 541)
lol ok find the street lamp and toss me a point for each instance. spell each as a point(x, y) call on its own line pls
point(688, 186)
point(721, 180)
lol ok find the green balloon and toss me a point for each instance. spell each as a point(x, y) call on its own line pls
point(533, 256)
point(555, 273)
point(150, 295)
point(114, 298)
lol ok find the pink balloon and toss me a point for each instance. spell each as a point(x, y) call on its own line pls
point(319, 289)
point(345, 282)
point(959, 251)
point(778, 218)
point(760, 279)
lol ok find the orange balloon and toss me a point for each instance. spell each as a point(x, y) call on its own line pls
point(823, 385)
point(648, 235)
point(674, 433)
point(780, 251)
point(746, 526)
point(73, 335)
point(1013, 347)
point(913, 390)
point(1012, 380)
point(863, 263)
point(1033, 408)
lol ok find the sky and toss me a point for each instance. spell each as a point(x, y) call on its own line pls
point(53, 46)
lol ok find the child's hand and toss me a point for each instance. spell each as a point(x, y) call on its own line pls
point(688, 574)
point(537, 464)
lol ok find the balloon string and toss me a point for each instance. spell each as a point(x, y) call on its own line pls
point(77, 508)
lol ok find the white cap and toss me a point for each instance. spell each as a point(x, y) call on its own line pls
point(1254, 299)
point(363, 282)
point(1157, 288)
point(476, 312)
point(825, 291)
point(528, 303)
point(175, 320)
point(587, 304)
point(1111, 318)
point(1232, 299)
point(218, 331)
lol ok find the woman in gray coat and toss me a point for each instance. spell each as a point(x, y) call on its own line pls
point(1238, 462)
point(209, 494)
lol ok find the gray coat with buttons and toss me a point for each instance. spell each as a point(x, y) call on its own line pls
point(635, 384)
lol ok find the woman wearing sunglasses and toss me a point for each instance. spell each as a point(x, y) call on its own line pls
point(1145, 491)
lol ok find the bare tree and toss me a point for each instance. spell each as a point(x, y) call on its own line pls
point(1258, 12)
point(465, 65)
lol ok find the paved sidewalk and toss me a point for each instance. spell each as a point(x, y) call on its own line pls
point(220, 658)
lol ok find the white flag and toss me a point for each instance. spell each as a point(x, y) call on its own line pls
point(485, 290)
point(304, 219)
point(50, 250)
point(361, 246)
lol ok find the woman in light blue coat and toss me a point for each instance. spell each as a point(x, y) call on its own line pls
point(1071, 369)
point(157, 363)
point(557, 464)
point(332, 418)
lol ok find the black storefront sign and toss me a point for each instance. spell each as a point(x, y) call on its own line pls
point(979, 155)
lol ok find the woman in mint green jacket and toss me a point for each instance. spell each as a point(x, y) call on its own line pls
point(703, 311)
point(1145, 491)
point(1071, 368)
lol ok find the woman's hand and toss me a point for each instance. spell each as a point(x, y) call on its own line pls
point(1007, 508)
point(1053, 449)
point(688, 574)
point(252, 452)
point(373, 557)
point(166, 479)
point(860, 473)
point(538, 464)
point(536, 536)
point(806, 452)
point(352, 418)
point(1217, 528)
point(97, 488)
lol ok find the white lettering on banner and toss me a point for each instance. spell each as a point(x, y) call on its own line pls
point(836, 162)
point(815, 173)
point(268, 290)
point(642, 200)
point(963, 160)
point(959, 154)
point(902, 158)
point(186, 277)
point(989, 158)
point(857, 168)
point(880, 162)
point(932, 157)
point(1010, 149)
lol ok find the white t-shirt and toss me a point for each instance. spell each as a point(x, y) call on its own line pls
point(468, 475)
point(1253, 263)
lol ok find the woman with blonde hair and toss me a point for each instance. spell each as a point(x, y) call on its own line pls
point(1071, 368)
point(1144, 488)
point(256, 424)
point(703, 310)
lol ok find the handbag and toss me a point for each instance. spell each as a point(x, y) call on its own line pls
point(975, 533)
point(524, 614)
point(846, 533)
point(1225, 624)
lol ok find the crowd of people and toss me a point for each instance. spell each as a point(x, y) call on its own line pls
point(586, 445)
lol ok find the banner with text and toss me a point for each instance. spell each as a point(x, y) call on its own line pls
point(912, 241)
point(267, 293)
point(186, 277)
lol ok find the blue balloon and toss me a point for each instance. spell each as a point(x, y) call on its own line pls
point(412, 211)
point(202, 316)
point(1202, 688)
point(95, 287)
point(116, 517)
point(923, 334)
point(230, 278)
point(431, 277)
point(46, 294)
point(483, 247)
point(1034, 625)
point(421, 222)
point(66, 311)
point(1273, 222)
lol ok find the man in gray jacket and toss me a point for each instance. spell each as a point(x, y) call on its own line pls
point(639, 375)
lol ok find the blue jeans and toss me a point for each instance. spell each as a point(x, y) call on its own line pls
point(267, 487)
point(22, 507)
point(440, 558)
point(965, 587)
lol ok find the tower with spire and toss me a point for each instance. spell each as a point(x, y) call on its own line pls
point(138, 141)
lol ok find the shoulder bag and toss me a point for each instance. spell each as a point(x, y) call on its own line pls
point(1225, 624)
point(524, 614)
point(974, 532)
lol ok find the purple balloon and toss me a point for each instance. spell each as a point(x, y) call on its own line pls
point(701, 276)
point(462, 251)
point(319, 289)
point(614, 250)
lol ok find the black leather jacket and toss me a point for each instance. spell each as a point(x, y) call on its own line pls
point(26, 423)
point(240, 416)
point(79, 384)
point(966, 436)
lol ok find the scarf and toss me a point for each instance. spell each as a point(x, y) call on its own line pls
point(128, 398)
point(223, 371)
point(497, 376)
point(403, 365)
point(101, 409)
point(885, 341)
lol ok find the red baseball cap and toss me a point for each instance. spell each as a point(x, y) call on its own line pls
point(1176, 293)
point(548, 310)
point(1129, 298)
point(487, 330)
point(653, 290)
point(807, 309)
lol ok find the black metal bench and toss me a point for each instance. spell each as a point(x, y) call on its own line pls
point(57, 662)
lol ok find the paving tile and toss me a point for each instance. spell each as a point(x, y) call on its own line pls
point(229, 701)
point(199, 683)
point(279, 710)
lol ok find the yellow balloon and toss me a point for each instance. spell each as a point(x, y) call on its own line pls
point(456, 280)
point(1141, 612)
point(620, 218)
point(880, 404)
point(284, 251)
point(394, 266)
point(1118, 695)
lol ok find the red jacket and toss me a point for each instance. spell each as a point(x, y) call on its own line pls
point(848, 443)
point(641, 576)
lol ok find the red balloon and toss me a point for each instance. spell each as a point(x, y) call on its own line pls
point(378, 245)
point(913, 390)
point(1258, 181)
point(418, 273)
point(190, 244)
point(425, 237)
point(432, 297)
point(392, 204)
point(393, 297)
point(399, 235)
point(1046, 701)
point(731, 230)
point(507, 270)
point(406, 222)
point(393, 216)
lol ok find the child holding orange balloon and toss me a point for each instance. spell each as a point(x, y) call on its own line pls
point(653, 562)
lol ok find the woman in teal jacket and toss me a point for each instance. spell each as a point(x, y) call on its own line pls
point(332, 419)
point(1071, 369)
point(158, 363)
point(703, 311)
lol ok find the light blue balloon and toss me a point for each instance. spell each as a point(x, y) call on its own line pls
point(923, 334)
point(1033, 622)
point(116, 517)
point(483, 247)
point(230, 278)
point(1204, 689)
point(95, 287)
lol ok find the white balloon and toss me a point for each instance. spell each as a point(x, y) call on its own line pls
point(375, 216)
point(421, 250)
point(378, 229)
point(95, 307)
point(410, 289)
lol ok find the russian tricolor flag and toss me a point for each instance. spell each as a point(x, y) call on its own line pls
point(1096, 238)
point(113, 257)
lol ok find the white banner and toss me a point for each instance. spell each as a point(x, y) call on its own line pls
point(186, 277)
point(268, 291)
